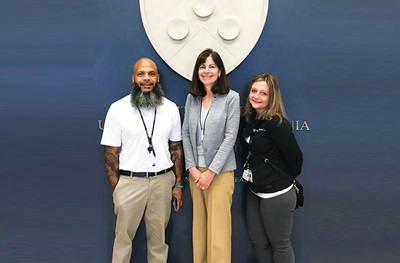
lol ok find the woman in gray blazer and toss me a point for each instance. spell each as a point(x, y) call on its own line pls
point(210, 126)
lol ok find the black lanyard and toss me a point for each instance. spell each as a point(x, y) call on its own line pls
point(149, 138)
point(246, 164)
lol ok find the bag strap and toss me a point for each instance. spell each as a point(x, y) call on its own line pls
point(266, 160)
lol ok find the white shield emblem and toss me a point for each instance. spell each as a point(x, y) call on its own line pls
point(180, 29)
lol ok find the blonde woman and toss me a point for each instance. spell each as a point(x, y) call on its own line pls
point(274, 160)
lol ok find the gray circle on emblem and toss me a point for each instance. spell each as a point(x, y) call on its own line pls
point(229, 28)
point(203, 8)
point(178, 29)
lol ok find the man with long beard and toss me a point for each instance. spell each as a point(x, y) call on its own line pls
point(143, 161)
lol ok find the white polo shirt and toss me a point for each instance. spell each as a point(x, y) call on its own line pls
point(124, 128)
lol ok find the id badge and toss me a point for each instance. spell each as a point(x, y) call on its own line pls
point(149, 163)
point(247, 175)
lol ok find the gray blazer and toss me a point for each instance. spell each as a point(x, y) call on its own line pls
point(221, 129)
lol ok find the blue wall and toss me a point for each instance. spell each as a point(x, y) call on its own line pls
point(63, 64)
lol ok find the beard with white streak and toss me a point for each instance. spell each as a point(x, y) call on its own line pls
point(142, 99)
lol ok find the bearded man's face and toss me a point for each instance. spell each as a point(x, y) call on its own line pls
point(152, 98)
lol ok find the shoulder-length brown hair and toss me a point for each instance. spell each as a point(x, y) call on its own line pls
point(221, 86)
point(275, 103)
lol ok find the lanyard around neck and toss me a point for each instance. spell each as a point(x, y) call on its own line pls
point(203, 125)
point(246, 163)
point(149, 138)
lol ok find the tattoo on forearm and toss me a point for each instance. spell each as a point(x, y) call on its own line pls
point(111, 158)
point(175, 148)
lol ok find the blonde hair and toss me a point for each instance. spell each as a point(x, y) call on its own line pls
point(275, 103)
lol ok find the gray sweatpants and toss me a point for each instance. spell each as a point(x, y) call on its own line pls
point(269, 224)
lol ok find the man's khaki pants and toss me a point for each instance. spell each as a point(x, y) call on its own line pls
point(135, 197)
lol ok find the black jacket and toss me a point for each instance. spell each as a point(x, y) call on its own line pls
point(274, 141)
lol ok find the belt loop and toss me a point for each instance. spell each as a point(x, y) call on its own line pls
point(147, 174)
point(131, 175)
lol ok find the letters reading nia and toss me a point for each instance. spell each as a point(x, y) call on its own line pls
point(297, 125)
